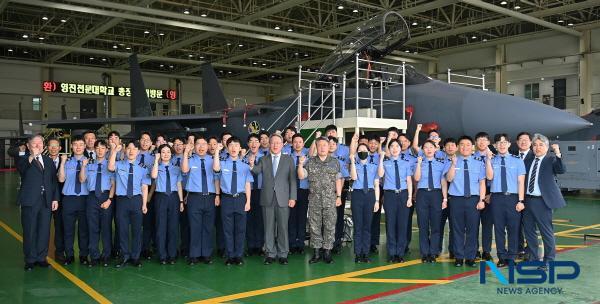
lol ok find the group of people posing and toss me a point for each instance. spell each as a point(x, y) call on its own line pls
point(185, 196)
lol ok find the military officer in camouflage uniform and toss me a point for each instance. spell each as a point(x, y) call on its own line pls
point(325, 188)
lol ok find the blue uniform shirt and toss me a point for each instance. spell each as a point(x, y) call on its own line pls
point(373, 158)
point(476, 173)
point(371, 175)
point(437, 154)
point(244, 175)
point(342, 153)
point(174, 177)
point(71, 177)
point(91, 173)
point(289, 149)
point(176, 161)
point(404, 170)
point(437, 168)
point(146, 158)
point(258, 177)
point(140, 177)
point(408, 155)
point(194, 181)
point(224, 154)
point(303, 182)
point(514, 168)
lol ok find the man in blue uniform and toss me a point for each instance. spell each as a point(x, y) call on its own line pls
point(508, 194)
point(482, 142)
point(101, 186)
point(450, 148)
point(288, 134)
point(298, 214)
point(236, 189)
point(131, 187)
point(146, 158)
point(373, 158)
point(184, 224)
point(466, 175)
point(75, 194)
point(203, 187)
point(255, 232)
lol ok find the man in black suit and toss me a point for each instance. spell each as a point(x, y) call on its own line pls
point(524, 152)
point(89, 137)
point(38, 197)
point(53, 147)
point(542, 196)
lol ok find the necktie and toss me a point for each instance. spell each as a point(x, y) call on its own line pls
point(234, 178)
point(178, 164)
point(39, 163)
point(430, 178)
point(467, 180)
point(397, 174)
point(275, 164)
point(98, 189)
point(130, 181)
point(297, 164)
point(77, 183)
point(521, 155)
point(204, 181)
point(365, 182)
point(503, 185)
point(168, 180)
point(142, 159)
point(255, 176)
point(531, 185)
point(91, 154)
point(371, 156)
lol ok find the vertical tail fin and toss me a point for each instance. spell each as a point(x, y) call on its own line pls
point(213, 98)
point(140, 106)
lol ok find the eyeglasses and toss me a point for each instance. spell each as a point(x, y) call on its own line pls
point(434, 137)
point(503, 142)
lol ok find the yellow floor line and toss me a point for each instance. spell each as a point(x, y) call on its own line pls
point(567, 225)
point(328, 279)
point(571, 246)
point(570, 236)
point(394, 281)
point(71, 277)
point(560, 220)
point(577, 229)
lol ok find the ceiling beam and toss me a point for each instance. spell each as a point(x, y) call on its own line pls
point(203, 36)
point(461, 29)
point(116, 54)
point(123, 71)
point(521, 16)
point(93, 33)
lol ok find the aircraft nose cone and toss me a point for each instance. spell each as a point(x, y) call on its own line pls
point(510, 114)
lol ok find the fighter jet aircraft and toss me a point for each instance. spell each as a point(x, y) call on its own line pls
point(454, 110)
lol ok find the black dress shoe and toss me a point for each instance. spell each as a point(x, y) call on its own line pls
point(501, 263)
point(163, 262)
point(432, 259)
point(300, 250)
point(83, 260)
point(68, 261)
point(171, 261)
point(487, 256)
point(105, 262)
point(221, 253)
point(358, 259)
point(207, 260)
point(470, 263)
point(269, 260)
point(43, 264)
point(93, 262)
point(136, 263)
point(373, 249)
point(122, 263)
point(28, 266)
point(147, 254)
point(478, 255)
point(327, 257)
point(192, 261)
point(59, 257)
point(239, 261)
point(392, 259)
point(458, 263)
point(451, 255)
point(283, 261)
point(399, 259)
point(316, 257)
point(366, 259)
point(229, 262)
point(425, 259)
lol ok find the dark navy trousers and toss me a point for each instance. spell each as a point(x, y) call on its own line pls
point(167, 224)
point(149, 226)
point(219, 236)
point(536, 213)
point(465, 225)
point(36, 231)
point(59, 232)
point(74, 214)
point(255, 228)
point(362, 215)
point(297, 221)
point(396, 216)
point(446, 217)
point(429, 214)
point(201, 216)
point(99, 225)
point(506, 224)
point(184, 230)
point(129, 215)
point(487, 227)
point(376, 222)
point(233, 217)
point(339, 221)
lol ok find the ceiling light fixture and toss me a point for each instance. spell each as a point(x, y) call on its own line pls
point(186, 11)
point(44, 18)
point(277, 27)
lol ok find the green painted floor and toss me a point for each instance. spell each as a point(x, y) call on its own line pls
point(297, 282)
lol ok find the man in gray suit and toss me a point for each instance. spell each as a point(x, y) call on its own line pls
point(277, 196)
